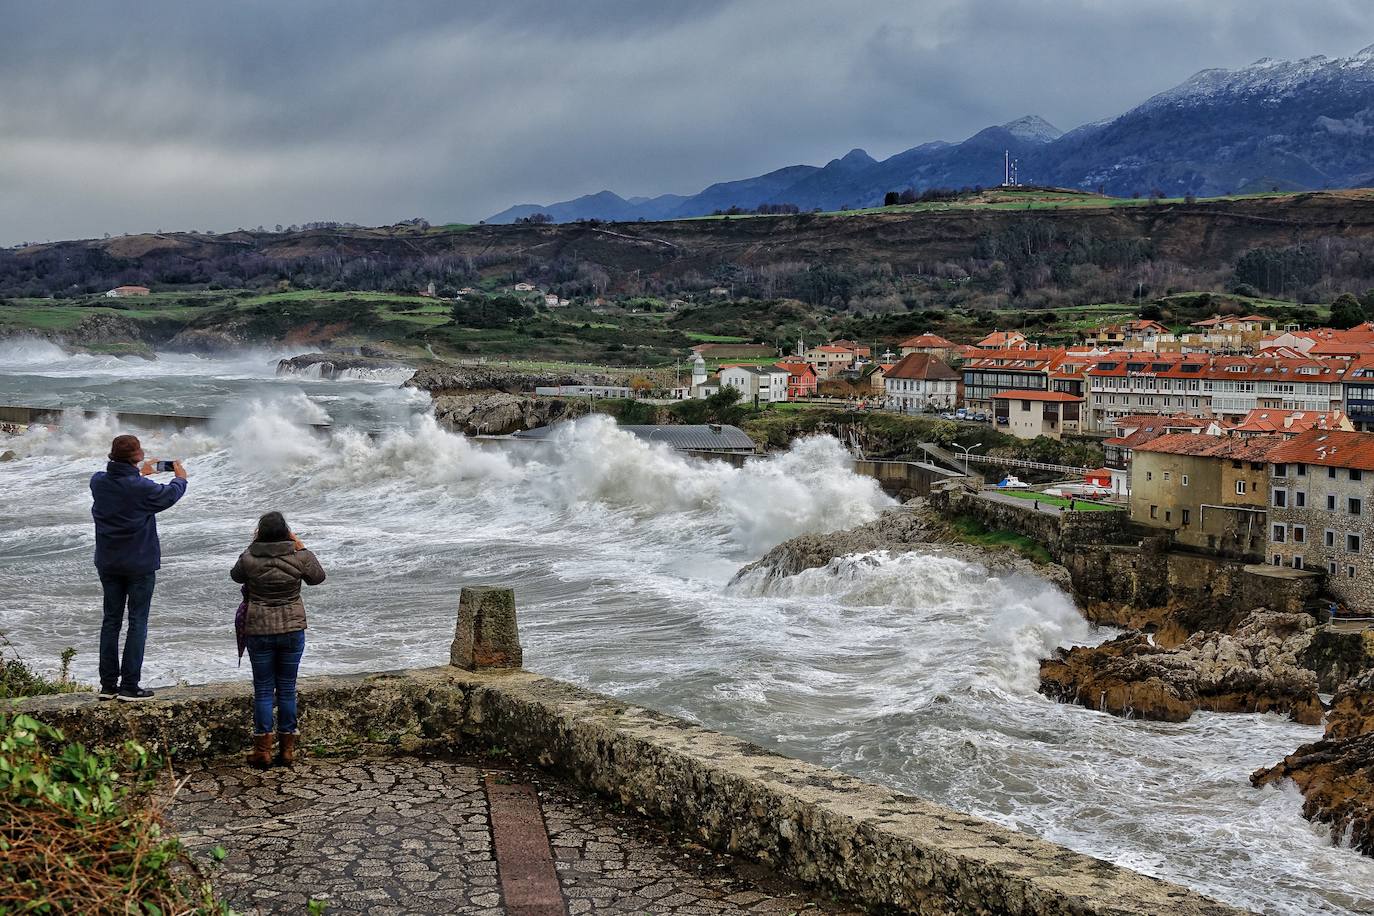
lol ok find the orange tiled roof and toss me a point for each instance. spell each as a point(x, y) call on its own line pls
point(1253, 448)
point(934, 341)
point(1328, 447)
point(921, 366)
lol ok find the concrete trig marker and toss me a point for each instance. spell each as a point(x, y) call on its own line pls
point(486, 635)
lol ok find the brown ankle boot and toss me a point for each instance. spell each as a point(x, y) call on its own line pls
point(286, 749)
point(261, 755)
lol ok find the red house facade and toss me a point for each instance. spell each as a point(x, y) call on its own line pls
point(801, 379)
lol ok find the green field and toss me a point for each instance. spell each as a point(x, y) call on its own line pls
point(1020, 199)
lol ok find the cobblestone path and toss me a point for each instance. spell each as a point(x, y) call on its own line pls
point(403, 835)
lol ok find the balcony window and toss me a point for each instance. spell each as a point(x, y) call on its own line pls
point(1330, 538)
point(1279, 534)
point(1280, 499)
point(1352, 543)
point(1353, 505)
point(1300, 498)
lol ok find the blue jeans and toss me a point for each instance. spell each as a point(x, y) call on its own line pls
point(135, 592)
point(275, 659)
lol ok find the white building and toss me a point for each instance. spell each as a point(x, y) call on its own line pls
point(766, 383)
point(920, 382)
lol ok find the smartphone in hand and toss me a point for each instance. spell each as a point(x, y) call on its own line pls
point(163, 466)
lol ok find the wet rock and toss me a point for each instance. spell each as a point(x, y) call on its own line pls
point(336, 365)
point(914, 526)
point(1336, 774)
point(896, 530)
point(205, 341)
point(470, 379)
point(103, 330)
point(8, 455)
point(501, 414)
point(1256, 669)
point(1170, 624)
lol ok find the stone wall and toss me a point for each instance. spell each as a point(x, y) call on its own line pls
point(855, 839)
point(1062, 534)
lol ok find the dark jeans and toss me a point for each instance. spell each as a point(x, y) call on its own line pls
point(135, 592)
point(275, 659)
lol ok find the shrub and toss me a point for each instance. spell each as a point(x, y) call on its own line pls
point(17, 679)
point(80, 831)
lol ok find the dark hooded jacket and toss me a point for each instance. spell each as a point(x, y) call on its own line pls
point(124, 504)
point(273, 572)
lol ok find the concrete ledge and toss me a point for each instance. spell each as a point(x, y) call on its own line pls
point(859, 840)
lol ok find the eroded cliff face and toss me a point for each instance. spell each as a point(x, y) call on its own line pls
point(1259, 668)
point(1336, 774)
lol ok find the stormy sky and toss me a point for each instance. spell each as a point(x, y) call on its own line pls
point(122, 116)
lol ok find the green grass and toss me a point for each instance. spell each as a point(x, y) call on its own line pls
point(1081, 505)
point(703, 337)
point(969, 530)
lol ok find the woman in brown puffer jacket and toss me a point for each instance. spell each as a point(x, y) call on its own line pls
point(273, 568)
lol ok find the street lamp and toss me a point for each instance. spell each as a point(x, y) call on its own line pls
point(967, 450)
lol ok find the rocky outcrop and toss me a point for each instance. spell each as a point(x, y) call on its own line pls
point(470, 379)
point(1336, 774)
point(205, 341)
point(1256, 669)
point(500, 414)
point(102, 330)
point(914, 526)
point(1339, 655)
point(896, 530)
point(339, 365)
point(1170, 624)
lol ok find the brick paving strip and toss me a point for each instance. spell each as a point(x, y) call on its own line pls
point(524, 861)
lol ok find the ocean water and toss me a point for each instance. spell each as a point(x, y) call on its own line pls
point(915, 670)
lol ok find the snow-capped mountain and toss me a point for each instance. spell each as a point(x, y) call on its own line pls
point(1301, 124)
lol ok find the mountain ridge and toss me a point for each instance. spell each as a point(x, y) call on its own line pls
point(1275, 123)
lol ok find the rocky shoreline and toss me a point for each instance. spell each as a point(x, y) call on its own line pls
point(1175, 660)
point(1258, 668)
point(914, 525)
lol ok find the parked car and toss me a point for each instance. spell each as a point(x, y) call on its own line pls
point(947, 415)
point(981, 417)
point(1001, 421)
point(961, 414)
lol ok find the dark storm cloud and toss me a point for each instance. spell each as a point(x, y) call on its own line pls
point(136, 116)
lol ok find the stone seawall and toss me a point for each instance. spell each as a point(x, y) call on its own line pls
point(859, 840)
point(1062, 533)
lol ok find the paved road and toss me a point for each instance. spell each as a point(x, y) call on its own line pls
point(996, 497)
point(404, 835)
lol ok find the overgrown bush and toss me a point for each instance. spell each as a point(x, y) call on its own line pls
point(18, 679)
point(81, 831)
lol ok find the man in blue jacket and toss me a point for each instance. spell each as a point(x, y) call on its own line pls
point(127, 556)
